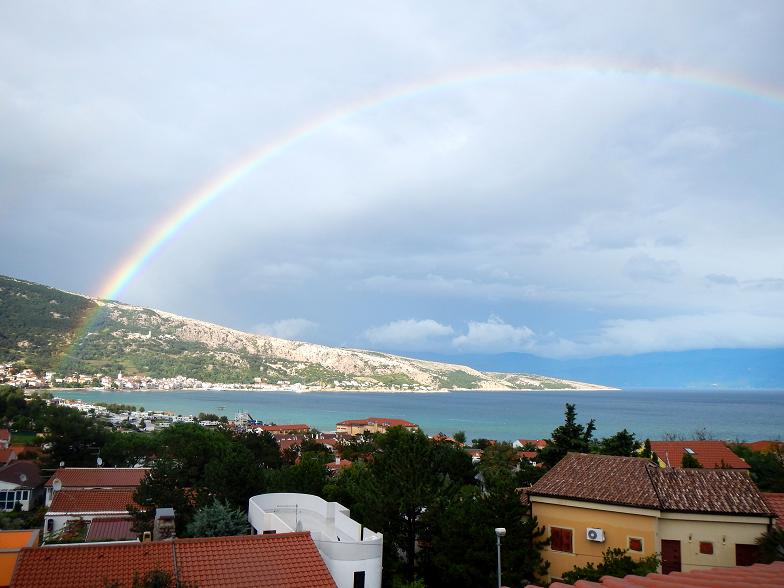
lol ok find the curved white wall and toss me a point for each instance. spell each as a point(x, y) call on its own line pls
point(344, 545)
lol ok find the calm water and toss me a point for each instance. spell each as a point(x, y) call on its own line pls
point(727, 414)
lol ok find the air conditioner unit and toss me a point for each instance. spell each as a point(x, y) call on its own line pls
point(594, 534)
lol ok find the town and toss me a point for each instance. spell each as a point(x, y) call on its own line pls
point(23, 377)
point(281, 498)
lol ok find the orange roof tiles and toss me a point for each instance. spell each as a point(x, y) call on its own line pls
point(765, 446)
point(760, 575)
point(775, 501)
point(10, 544)
point(286, 560)
point(98, 477)
point(7, 454)
point(634, 481)
point(90, 566)
point(73, 501)
point(111, 529)
point(710, 454)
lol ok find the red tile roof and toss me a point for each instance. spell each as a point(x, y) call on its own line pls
point(760, 575)
point(377, 420)
point(7, 454)
point(765, 446)
point(111, 529)
point(24, 474)
point(775, 501)
point(281, 428)
point(710, 454)
point(74, 501)
point(90, 566)
point(599, 478)
point(634, 481)
point(99, 477)
point(286, 560)
point(539, 443)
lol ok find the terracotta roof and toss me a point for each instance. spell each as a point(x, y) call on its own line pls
point(764, 446)
point(599, 478)
point(710, 454)
point(11, 542)
point(775, 502)
point(761, 575)
point(73, 501)
point(282, 428)
point(379, 421)
point(539, 443)
point(334, 465)
point(708, 491)
point(7, 454)
point(16, 470)
point(90, 566)
point(285, 560)
point(111, 529)
point(99, 477)
point(633, 481)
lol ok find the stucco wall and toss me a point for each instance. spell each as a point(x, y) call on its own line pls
point(617, 526)
point(723, 532)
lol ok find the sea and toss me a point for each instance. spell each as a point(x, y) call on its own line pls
point(743, 415)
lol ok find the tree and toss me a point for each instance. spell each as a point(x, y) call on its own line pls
point(622, 443)
point(570, 436)
point(218, 519)
point(460, 437)
point(767, 467)
point(615, 562)
point(771, 545)
point(690, 462)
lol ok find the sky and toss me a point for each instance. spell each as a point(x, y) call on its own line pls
point(523, 176)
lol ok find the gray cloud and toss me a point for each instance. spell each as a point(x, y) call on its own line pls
point(563, 195)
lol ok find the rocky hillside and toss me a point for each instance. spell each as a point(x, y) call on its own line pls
point(40, 326)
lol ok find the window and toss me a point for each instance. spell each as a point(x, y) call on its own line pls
point(359, 579)
point(706, 547)
point(7, 499)
point(561, 539)
point(635, 544)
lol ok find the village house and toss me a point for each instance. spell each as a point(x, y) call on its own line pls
point(533, 443)
point(352, 553)
point(93, 478)
point(695, 518)
point(355, 427)
point(75, 510)
point(298, 429)
point(711, 454)
point(20, 483)
point(265, 561)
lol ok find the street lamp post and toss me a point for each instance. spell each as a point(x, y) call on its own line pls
point(499, 532)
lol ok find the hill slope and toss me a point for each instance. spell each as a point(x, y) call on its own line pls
point(43, 327)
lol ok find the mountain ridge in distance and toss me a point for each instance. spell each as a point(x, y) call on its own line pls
point(38, 325)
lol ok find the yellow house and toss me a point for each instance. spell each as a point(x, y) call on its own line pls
point(693, 518)
point(372, 425)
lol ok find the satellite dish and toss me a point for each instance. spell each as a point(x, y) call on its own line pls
point(23, 478)
point(57, 484)
point(62, 464)
point(99, 461)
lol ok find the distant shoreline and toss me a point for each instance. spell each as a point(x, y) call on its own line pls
point(333, 390)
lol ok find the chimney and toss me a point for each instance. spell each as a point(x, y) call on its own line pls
point(337, 460)
point(163, 527)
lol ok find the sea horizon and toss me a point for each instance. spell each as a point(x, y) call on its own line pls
point(744, 415)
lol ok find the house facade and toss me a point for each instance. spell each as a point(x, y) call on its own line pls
point(693, 518)
point(83, 506)
point(20, 483)
point(93, 479)
point(352, 553)
point(354, 427)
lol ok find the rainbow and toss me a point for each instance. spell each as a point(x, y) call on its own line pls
point(220, 184)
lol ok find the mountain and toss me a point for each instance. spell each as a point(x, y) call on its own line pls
point(50, 329)
point(696, 369)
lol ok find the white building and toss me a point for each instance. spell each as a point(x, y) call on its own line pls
point(352, 553)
